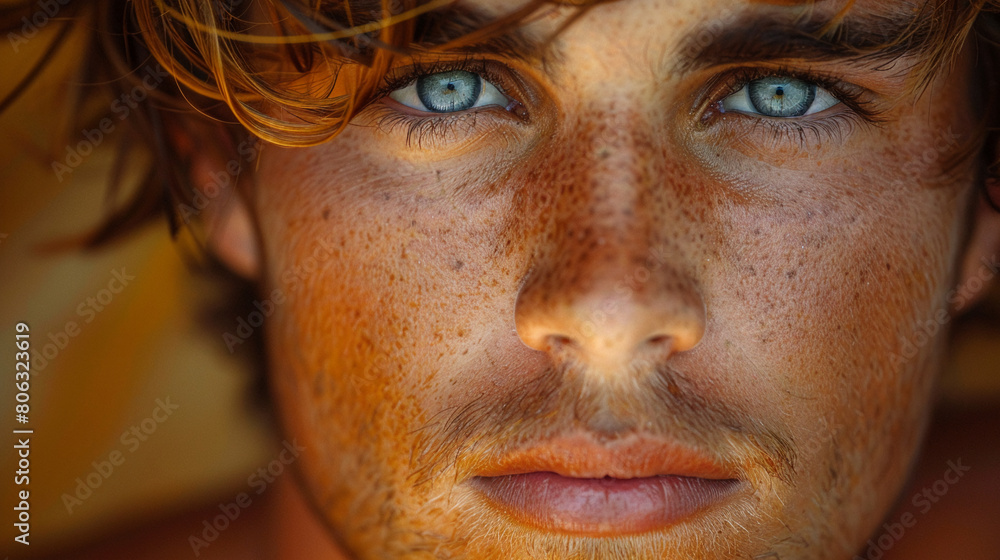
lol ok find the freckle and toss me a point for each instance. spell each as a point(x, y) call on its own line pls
point(326, 213)
point(791, 274)
point(458, 265)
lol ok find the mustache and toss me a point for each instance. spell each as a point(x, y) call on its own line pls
point(652, 399)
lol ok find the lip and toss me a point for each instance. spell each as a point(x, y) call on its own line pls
point(576, 486)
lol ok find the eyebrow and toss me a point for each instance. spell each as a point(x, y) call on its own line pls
point(764, 36)
point(752, 35)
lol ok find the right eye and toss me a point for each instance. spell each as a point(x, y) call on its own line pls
point(449, 92)
point(780, 97)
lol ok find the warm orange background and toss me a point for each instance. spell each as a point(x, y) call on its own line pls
point(145, 345)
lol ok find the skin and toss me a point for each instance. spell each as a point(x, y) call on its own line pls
point(624, 260)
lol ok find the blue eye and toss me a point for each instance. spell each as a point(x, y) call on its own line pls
point(780, 97)
point(449, 92)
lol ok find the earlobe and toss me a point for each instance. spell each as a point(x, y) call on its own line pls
point(980, 268)
point(218, 201)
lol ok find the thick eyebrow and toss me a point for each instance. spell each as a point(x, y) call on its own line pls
point(762, 37)
point(749, 36)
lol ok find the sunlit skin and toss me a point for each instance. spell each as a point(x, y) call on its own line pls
point(619, 259)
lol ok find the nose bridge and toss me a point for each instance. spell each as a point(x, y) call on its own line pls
point(614, 180)
point(609, 282)
point(623, 156)
point(608, 221)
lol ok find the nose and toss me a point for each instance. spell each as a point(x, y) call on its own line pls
point(612, 316)
point(612, 282)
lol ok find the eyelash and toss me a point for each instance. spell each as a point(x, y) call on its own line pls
point(862, 109)
point(421, 128)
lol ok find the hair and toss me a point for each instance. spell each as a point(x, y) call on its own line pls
point(294, 72)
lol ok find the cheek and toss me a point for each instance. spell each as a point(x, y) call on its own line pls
point(389, 284)
point(821, 299)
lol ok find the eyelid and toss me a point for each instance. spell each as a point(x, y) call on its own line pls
point(411, 99)
point(403, 76)
point(857, 99)
point(859, 108)
point(423, 128)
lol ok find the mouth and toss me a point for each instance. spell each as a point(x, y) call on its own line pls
point(576, 486)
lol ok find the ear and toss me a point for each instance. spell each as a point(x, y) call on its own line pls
point(981, 264)
point(220, 174)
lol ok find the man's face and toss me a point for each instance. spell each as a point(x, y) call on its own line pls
point(655, 295)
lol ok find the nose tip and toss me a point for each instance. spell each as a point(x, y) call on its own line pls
point(611, 333)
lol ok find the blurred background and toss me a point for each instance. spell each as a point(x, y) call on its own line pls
point(107, 361)
point(128, 352)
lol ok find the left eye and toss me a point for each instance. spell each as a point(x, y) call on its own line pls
point(449, 92)
point(781, 97)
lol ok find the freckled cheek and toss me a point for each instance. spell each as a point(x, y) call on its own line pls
point(817, 304)
point(410, 290)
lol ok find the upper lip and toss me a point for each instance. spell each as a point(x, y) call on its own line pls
point(634, 456)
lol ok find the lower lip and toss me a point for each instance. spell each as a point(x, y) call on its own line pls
point(603, 506)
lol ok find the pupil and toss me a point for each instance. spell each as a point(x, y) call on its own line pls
point(780, 91)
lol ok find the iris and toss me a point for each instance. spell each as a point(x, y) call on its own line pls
point(448, 92)
point(780, 96)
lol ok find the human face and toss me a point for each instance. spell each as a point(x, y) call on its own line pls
point(611, 312)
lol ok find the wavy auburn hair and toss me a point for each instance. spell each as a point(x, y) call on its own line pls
point(294, 72)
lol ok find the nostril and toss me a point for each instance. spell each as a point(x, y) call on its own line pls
point(659, 340)
point(557, 342)
point(591, 322)
point(659, 344)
